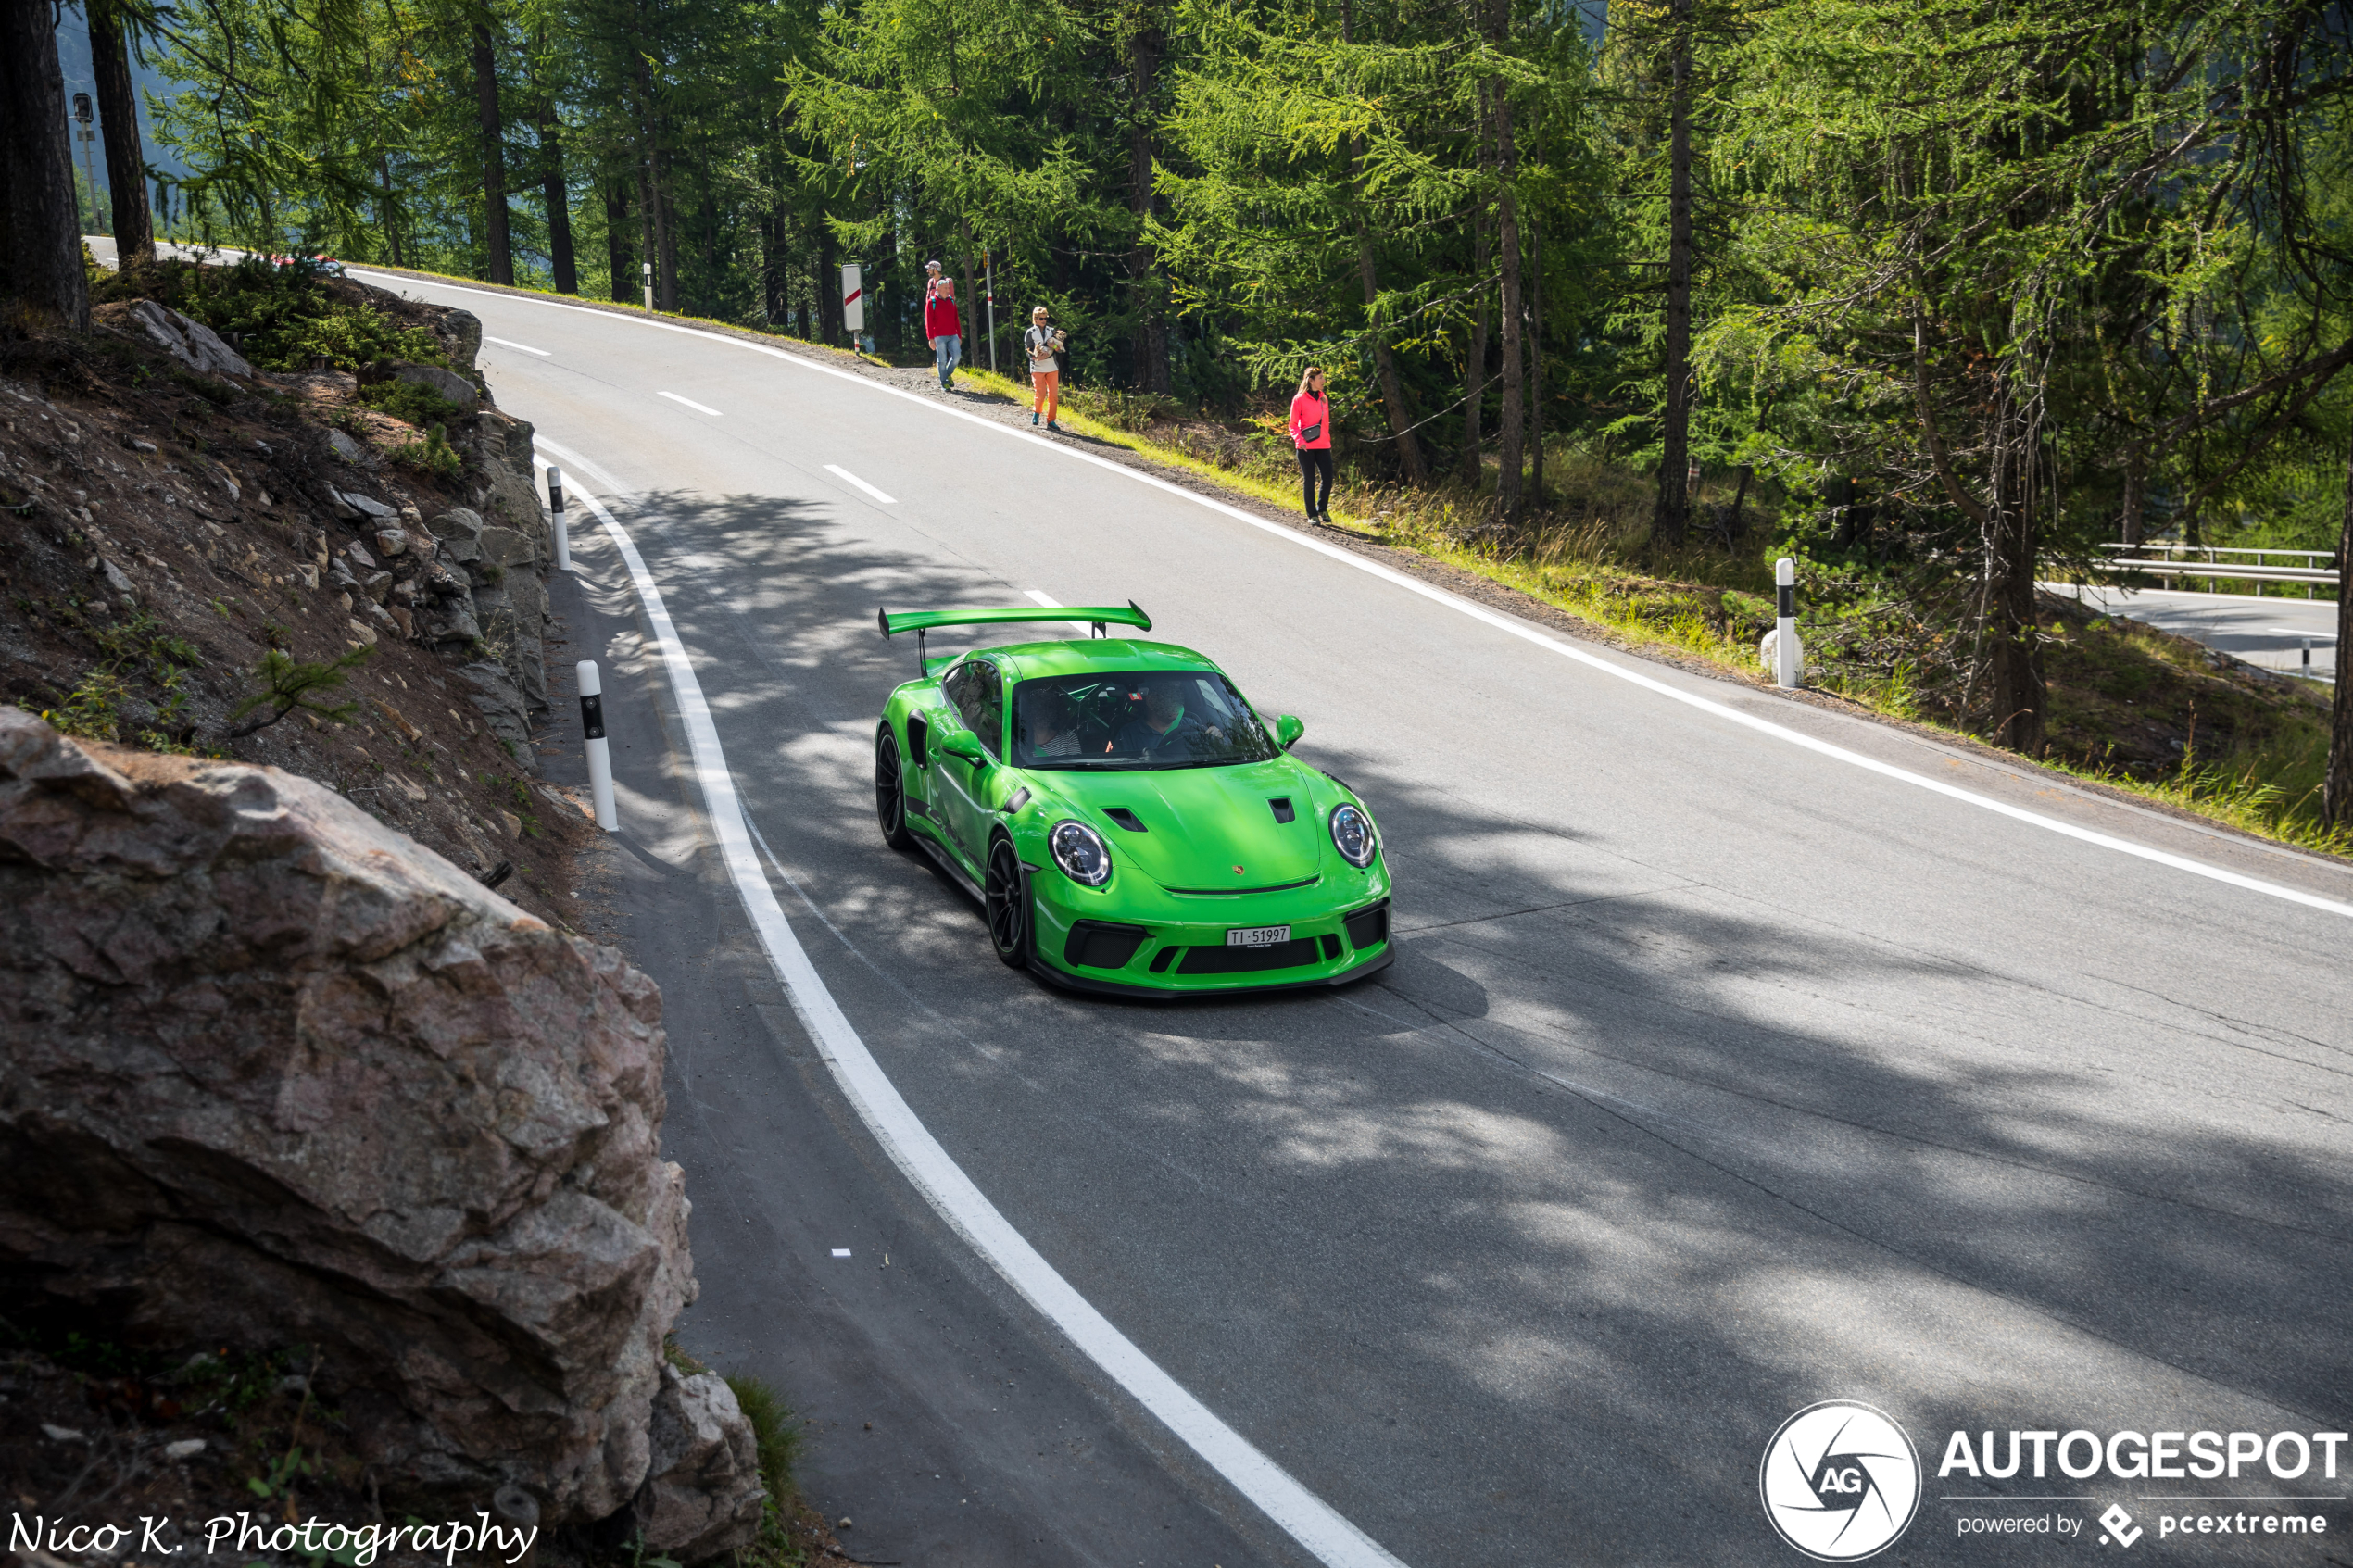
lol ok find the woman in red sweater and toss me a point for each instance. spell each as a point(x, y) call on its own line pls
point(1311, 433)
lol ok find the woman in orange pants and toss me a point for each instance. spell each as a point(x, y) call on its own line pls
point(1045, 371)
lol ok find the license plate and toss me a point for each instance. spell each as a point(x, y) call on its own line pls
point(1258, 936)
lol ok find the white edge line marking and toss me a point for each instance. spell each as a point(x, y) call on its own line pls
point(1307, 1518)
point(843, 473)
point(1509, 624)
point(698, 407)
point(510, 343)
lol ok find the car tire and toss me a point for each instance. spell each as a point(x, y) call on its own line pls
point(890, 792)
point(1006, 899)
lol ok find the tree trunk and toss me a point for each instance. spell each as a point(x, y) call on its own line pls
point(830, 327)
point(1535, 358)
point(561, 260)
point(387, 215)
point(498, 258)
point(40, 231)
point(1674, 458)
point(1512, 424)
point(1149, 339)
point(665, 237)
point(1475, 362)
point(1401, 421)
point(646, 221)
point(2336, 784)
point(2136, 480)
point(618, 256)
point(135, 239)
point(2019, 695)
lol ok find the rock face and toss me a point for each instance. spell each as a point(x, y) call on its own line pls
point(277, 1075)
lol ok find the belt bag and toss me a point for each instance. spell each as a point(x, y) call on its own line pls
point(1313, 432)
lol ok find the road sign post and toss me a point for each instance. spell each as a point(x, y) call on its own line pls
point(563, 526)
point(592, 731)
point(1788, 669)
point(853, 301)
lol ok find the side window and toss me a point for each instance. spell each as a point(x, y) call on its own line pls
point(988, 721)
point(966, 688)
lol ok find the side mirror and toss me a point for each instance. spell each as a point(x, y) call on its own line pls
point(1288, 729)
point(961, 744)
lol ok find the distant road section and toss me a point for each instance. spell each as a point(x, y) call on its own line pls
point(2268, 631)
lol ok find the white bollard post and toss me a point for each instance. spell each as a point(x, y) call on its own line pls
point(648, 272)
point(563, 524)
point(1786, 663)
point(2307, 659)
point(592, 730)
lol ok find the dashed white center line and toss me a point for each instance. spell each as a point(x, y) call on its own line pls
point(698, 407)
point(844, 474)
point(1038, 598)
point(509, 343)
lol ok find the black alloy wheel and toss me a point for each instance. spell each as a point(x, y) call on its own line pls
point(890, 794)
point(1007, 905)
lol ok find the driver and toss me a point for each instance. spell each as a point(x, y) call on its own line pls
point(1164, 728)
point(1052, 724)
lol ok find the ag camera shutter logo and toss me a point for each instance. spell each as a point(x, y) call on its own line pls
point(1839, 1481)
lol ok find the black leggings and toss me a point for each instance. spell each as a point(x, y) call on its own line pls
point(1315, 460)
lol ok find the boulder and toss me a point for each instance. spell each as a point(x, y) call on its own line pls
point(185, 339)
point(391, 541)
point(460, 530)
point(343, 446)
point(452, 623)
point(368, 505)
point(461, 330)
point(443, 384)
point(704, 1492)
point(277, 1075)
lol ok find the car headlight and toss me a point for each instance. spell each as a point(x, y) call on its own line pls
point(1080, 852)
point(1352, 836)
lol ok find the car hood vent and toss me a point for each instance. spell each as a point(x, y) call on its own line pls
point(1283, 813)
point(1125, 818)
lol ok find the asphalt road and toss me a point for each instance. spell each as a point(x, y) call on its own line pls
point(2269, 631)
point(1717, 1076)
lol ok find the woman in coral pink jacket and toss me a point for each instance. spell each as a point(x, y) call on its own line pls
point(1311, 433)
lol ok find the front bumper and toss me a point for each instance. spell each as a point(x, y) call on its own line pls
point(1148, 941)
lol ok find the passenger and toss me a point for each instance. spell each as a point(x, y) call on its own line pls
point(1165, 728)
point(1054, 726)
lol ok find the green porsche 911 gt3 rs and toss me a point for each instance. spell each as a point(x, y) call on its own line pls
point(1130, 822)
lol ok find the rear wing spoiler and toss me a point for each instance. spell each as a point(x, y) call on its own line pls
point(919, 621)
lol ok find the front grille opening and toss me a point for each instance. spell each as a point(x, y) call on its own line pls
point(1125, 818)
point(1368, 928)
point(1162, 959)
point(1283, 813)
point(1293, 954)
point(1098, 945)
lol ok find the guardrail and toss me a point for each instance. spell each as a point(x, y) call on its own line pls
point(2178, 562)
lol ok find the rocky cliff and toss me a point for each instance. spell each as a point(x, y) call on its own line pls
point(278, 1075)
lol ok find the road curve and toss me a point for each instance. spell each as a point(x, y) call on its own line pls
point(1716, 1075)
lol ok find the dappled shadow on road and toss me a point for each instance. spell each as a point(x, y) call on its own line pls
point(1610, 1172)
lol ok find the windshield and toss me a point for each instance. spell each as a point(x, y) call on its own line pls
point(1130, 719)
